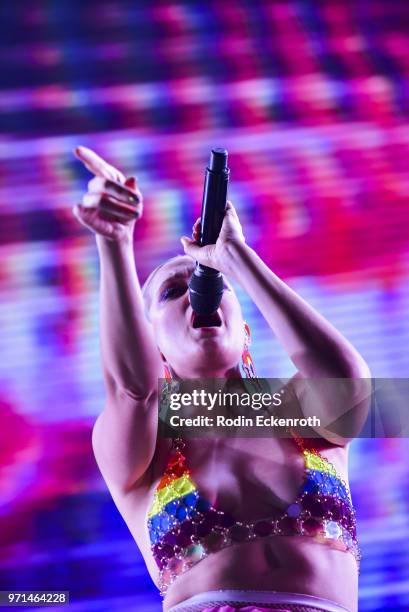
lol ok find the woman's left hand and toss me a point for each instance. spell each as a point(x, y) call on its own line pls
point(216, 255)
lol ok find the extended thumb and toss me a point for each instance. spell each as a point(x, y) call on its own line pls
point(186, 243)
point(190, 247)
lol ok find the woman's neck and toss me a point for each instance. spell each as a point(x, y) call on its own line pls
point(210, 374)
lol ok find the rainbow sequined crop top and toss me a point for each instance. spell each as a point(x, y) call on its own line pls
point(185, 528)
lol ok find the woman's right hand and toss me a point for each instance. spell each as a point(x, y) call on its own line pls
point(112, 203)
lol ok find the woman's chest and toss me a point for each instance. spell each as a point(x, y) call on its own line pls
point(246, 477)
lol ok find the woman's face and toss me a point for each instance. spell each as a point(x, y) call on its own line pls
point(195, 346)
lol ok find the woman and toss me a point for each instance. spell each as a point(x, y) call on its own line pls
point(221, 523)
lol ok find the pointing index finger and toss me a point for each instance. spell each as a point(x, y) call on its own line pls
point(98, 166)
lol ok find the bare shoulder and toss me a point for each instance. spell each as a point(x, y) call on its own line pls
point(333, 448)
point(340, 406)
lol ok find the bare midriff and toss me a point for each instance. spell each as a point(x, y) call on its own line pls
point(279, 563)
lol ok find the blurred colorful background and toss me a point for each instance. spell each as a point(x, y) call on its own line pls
point(311, 99)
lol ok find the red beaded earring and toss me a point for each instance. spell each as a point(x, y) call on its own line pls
point(169, 386)
point(246, 359)
point(168, 374)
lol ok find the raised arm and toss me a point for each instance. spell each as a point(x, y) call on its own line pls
point(124, 435)
point(317, 349)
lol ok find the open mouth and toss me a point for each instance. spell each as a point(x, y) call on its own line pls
point(201, 320)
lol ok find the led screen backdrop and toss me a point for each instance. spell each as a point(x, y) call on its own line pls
point(311, 100)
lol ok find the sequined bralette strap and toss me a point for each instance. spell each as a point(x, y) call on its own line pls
point(314, 459)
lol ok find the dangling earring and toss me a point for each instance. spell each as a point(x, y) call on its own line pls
point(168, 373)
point(170, 386)
point(246, 359)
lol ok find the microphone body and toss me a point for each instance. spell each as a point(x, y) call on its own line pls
point(206, 284)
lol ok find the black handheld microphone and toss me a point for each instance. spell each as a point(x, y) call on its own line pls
point(206, 284)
